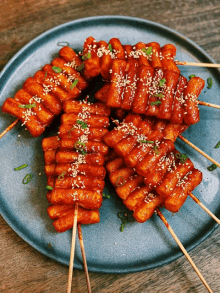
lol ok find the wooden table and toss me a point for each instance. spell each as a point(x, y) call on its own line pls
point(22, 268)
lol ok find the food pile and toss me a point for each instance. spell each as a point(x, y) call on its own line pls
point(150, 104)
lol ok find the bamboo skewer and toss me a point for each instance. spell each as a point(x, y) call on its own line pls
point(209, 104)
point(204, 207)
point(198, 150)
point(9, 128)
point(161, 216)
point(84, 257)
point(197, 64)
point(72, 250)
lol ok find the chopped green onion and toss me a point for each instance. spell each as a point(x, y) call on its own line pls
point(124, 219)
point(162, 82)
point(28, 106)
point(20, 167)
point(147, 141)
point(80, 146)
point(183, 157)
point(83, 124)
point(110, 47)
point(61, 176)
point(49, 187)
point(63, 44)
point(191, 76)
point(74, 84)
point(83, 153)
point(209, 80)
point(86, 56)
point(159, 95)
point(147, 51)
point(156, 103)
point(80, 67)
point(57, 69)
point(156, 150)
point(27, 178)
point(218, 145)
point(106, 195)
point(212, 167)
point(120, 181)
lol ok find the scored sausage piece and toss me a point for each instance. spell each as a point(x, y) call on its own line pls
point(191, 93)
point(153, 157)
point(88, 199)
point(174, 202)
point(84, 217)
point(27, 117)
point(172, 178)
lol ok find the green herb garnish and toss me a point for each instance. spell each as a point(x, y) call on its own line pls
point(182, 157)
point(124, 218)
point(155, 103)
point(209, 81)
point(20, 167)
point(218, 145)
point(49, 187)
point(147, 141)
point(212, 167)
point(28, 106)
point(80, 67)
point(86, 56)
point(120, 181)
point(74, 84)
point(106, 195)
point(80, 146)
point(159, 95)
point(147, 51)
point(156, 150)
point(27, 178)
point(110, 47)
point(162, 82)
point(191, 76)
point(83, 124)
point(57, 69)
point(61, 176)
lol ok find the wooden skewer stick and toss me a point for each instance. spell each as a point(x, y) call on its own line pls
point(9, 128)
point(72, 250)
point(198, 150)
point(209, 104)
point(197, 64)
point(183, 249)
point(84, 257)
point(203, 207)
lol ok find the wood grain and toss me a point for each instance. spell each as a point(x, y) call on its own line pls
point(22, 268)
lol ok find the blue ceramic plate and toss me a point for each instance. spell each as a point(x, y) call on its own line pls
point(140, 246)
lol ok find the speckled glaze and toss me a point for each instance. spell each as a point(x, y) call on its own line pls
point(140, 246)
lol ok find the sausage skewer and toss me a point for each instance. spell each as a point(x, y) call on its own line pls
point(197, 64)
point(70, 276)
point(84, 257)
point(161, 216)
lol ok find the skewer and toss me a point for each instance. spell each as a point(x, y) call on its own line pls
point(204, 207)
point(208, 104)
point(161, 216)
point(72, 250)
point(9, 128)
point(198, 150)
point(197, 64)
point(84, 257)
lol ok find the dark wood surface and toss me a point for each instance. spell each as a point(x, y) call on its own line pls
point(22, 268)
